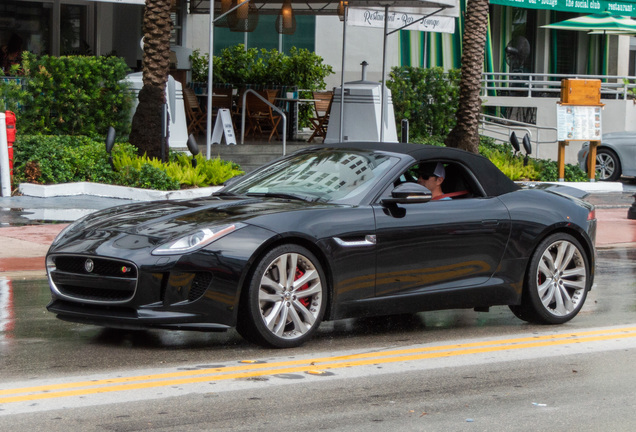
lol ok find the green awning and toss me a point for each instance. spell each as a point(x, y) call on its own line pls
point(623, 7)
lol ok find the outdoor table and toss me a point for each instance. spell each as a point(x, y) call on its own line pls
point(291, 107)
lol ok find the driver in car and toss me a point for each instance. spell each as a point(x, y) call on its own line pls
point(431, 175)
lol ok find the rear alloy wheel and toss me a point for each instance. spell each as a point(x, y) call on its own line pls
point(608, 166)
point(557, 281)
point(286, 298)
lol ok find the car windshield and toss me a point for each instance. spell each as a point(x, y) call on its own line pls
point(330, 175)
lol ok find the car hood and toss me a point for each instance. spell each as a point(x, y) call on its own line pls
point(167, 219)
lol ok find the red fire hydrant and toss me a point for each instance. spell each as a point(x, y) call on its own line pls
point(10, 121)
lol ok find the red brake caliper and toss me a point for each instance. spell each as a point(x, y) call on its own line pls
point(305, 301)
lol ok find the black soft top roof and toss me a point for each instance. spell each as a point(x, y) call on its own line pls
point(493, 181)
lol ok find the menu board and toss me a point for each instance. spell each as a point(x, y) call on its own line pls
point(578, 123)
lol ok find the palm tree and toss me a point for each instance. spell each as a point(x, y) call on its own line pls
point(146, 123)
point(465, 134)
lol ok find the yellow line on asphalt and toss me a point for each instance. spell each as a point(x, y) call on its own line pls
point(324, 363)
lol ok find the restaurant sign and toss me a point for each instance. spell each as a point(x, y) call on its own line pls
point(374, 17)
point(624, 7)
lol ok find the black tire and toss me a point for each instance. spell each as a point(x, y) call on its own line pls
point(608, 165)
point(556, 283)
point(281, 311)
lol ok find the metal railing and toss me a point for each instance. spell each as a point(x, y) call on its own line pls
point(549, 85)
point(500, 129)
point(274, 107)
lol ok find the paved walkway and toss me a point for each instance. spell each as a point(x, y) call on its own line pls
point(23, 248)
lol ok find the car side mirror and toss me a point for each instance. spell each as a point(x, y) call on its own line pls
point(408, 193)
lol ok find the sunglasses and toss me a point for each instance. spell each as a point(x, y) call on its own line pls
point(427, 176)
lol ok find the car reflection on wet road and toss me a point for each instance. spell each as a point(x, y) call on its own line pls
point(34, 343)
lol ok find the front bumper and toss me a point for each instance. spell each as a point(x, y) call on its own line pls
point(113, 281)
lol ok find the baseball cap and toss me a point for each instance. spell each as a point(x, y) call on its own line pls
point(432, 169)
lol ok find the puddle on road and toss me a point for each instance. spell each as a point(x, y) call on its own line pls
point(25, 216)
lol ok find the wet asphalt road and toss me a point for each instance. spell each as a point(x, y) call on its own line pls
point(587, 390)
point(34, 343)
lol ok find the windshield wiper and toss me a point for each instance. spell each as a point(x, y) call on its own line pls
point(279, 195)
point(223, 193)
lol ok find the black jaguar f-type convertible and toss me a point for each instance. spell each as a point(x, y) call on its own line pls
point(329, 232)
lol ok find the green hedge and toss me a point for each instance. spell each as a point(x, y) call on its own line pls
point(240, 67)
point(72, 95)
point(428, 98)
point(47, 159)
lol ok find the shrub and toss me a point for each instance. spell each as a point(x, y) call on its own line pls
point(207, 172)
point(73, 95)
point(61, 159)
point(515, 167)
point(549, 171)
point(428, 98)
point(12, 92)
point(240, 67)
point(146, 177)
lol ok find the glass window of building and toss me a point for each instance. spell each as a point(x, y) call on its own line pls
point(30, 21)
point(266, 36)
point(73, 32)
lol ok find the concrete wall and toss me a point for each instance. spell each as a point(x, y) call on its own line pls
point(363, 44)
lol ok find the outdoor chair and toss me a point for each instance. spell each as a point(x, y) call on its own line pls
point(195, 116)
point(322, 108)
point(262, 119)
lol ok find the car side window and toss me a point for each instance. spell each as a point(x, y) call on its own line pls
point(459, 183)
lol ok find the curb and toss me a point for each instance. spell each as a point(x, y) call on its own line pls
point(111, 191)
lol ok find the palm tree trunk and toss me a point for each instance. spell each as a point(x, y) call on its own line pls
point(465, 134)
point(146, 124)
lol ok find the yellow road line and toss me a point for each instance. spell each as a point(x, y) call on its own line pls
point(324, 363)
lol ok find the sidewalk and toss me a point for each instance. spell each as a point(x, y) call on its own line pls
point(24, 242)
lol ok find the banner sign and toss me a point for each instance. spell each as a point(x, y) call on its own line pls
point(624, 7)
point(374, 17)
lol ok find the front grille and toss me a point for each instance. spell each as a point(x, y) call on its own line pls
point(102, 266)
point(100, 280)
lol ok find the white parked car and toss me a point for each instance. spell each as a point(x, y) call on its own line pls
point(615, 156)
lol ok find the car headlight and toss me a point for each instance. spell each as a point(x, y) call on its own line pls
point(196, 239)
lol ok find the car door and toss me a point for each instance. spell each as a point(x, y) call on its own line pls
point(438, 246)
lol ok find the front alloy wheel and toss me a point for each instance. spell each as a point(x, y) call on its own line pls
point(286, 298)
point(557, 281)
